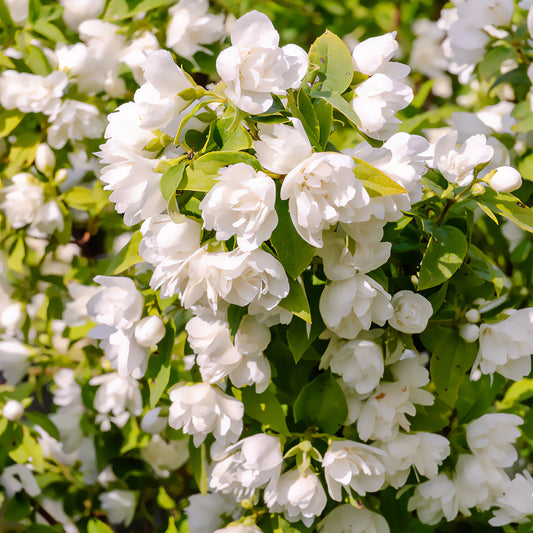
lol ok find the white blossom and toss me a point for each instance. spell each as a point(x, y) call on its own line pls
point(149, 331)
point(348, 519)
point(353, 465)
point(298, 495)
point(12, 410)
point(200, 409)
point(515, 504)
point(204, 512)
point(505, 179)
point(19, 477)
point(255, 66)
point(76, 11)
point(119, 505)
point(411, 312)
point(241, 203)
point(14, 361)
point(165, 457)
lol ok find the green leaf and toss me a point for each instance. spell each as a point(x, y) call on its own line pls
point(324, 113)
point(296, 301)
point(127, 257)
point(171, 528)
point(518, 392)
point(229, 135)
point(509, 207)
point(444, 255)
point(49, 31)
point(484, 267)
point(340, 104)
point(164, 500)
point(42, 420)
point(18, 507)
point(198, 464)
point(17, 253)
point(491, 63)
point(376, 182)
point(36, 60)
point(298, 339)
point(80, 198)
point(451, 358)
point(322, 403)
point(171, 178)
point(265, 408)
point(41, 528)
point(97, 526)
point(22, 153)
point(34, 10)
point(476, 397)
point(201, 173)
point(160, 364)
point(309, 118)
point(235, 314)
point(9, 120)
point(121, 9)
point(333, 62)
point(293, 252)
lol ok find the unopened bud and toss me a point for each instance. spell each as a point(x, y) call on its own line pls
point(45, 160)
point(504, 179)
point(469, 332)
point(149, 331)
point(472, 315)
point(13, 410)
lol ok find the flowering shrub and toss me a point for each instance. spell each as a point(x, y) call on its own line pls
point(259, 288)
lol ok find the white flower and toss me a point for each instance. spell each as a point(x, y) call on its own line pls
point(255, 66)
point(359, 363)
point(424, 451)
point(322, 190)
point(490, 437)
point(200, 409)
point(157, 100)
point(411, 312)
point(75, 312)
point(191, 25)
point(149, 331)
point(165, 457)
point(117, 395)
point(205, 512)
point(241, 204)
point(239, 528)
point(354, 465)
point(12, 410)
point(18, 11)
point(135, 54)
point(506, 347)
point(351, 305)
point(435, 499)
point(13, 360)
point(45, 160)
point(118, 305)
point(300, 496)
point(19, 477)
point(384, 412)
point(119, 506)
point(504, 179)
point(348, 519)
point(370, 55)
point(411, 371)
point(74, 121)
point(281, 147)
point(31, 93)
point(68, 393)
point(516, 502)
point(457, 166)
point(152, 422)
point(76, 11)
point(249, 464)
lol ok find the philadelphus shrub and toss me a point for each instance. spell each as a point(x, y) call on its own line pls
point(274, 289)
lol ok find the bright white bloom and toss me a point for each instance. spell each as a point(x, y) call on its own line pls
point(424, 451)
point(19, 477)
point(12, 410)
point(516, 502)
point(322, 190)
point(75, 313)
point(351, 305)
point(167, 244)
point(383, 94)
point(249, 464)
point(116, 398)
point(281, 147)
point(200, 409)
point(411, 312)
point(135, 54)
point(149, 331)
point(477, 484)
point(13, 360)
point(239, 528)
point(490, 437)
point(506, 347)
point(241, 204)
point(18, 11)
point(165, 457)
point(76, 11)
point(353, 465)
point(255, 66)
point(348, 519)
point(359, 363)
point(384, 412)
point(411, 371)
point(435, 499)
point(457, 166)
point(204, 513)
point(191, 25)
point(31, 93)
point(74, 121)
point(157, 100)
point(68, 393)
point(119, 506)
point(300, 496)
point(152, 422)
point(505, 179)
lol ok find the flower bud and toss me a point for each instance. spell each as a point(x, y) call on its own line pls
point(149, 331)
point(504, 179)
point(152, 422)
point(13, 410)
point(469, 332)
point(472, 315)
point(45, 160)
